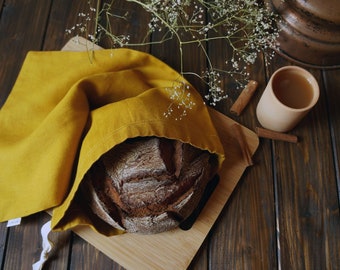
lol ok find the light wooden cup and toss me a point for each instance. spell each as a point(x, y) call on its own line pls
point(289, 95)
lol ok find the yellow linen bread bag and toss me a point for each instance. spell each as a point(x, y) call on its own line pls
point(66, 110)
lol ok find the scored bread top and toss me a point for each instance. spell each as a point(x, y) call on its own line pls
point(148, 185)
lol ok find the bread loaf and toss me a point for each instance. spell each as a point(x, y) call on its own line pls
point(148, 185)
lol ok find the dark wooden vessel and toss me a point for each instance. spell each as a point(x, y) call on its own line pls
point(310, 31)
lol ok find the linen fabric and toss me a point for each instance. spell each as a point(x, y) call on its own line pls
point(67, 109)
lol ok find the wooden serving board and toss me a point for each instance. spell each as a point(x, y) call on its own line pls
point(176, 249)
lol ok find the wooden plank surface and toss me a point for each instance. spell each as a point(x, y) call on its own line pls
point(308, 209)
point(331, 80)
point(63, 15)
point(134, 24)
point(283, 214)
point(32, 25)
point(3, 240)
point(249, 217)
point(22, 28)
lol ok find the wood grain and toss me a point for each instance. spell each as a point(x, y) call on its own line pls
point(86, 256)
point(64, 15)
point(308, 212)
point(22, 28)
point(24, 243)
point(247, 224)
point(32, 25)
point(332, 93)
point(297, 185)
point(3, 241)
point(134, 24)
point(193, 58)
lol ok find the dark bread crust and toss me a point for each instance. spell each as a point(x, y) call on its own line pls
point(148, 185)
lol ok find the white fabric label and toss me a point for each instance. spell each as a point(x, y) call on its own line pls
point(14, 222)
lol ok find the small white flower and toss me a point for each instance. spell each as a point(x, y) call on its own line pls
point(246, 26)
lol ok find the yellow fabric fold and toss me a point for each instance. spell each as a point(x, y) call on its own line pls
point(66, 110)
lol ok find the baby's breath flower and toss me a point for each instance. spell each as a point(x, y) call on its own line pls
point(180, 94)
point(215, 92)
point(247, 27)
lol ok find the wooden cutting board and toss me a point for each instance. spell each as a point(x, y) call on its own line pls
point(176, 249)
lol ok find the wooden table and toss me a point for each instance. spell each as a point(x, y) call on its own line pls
point(284, 213)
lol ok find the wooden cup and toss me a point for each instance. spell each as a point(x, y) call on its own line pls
point(289, 95)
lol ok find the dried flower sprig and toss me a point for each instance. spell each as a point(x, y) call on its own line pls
point(245, 26)
point(180, 95)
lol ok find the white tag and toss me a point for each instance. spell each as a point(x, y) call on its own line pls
point(14, 222)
